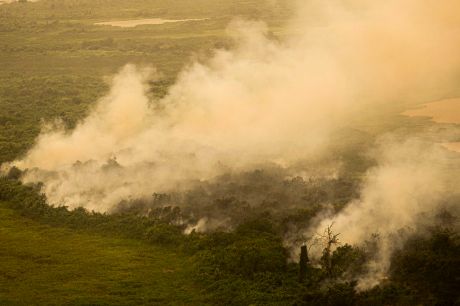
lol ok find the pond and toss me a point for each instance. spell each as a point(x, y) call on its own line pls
point(135, 22)
point(442, 111)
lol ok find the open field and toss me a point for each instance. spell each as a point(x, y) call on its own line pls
point(51, 54)
point(42, 265)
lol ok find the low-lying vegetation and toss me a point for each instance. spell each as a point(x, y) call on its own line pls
point(242, 237)
point(250, 265)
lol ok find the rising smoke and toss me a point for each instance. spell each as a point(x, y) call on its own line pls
point(413, 181)
point(270, 100)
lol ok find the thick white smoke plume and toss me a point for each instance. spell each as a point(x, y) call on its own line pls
point(263, 100)
point(268, 100)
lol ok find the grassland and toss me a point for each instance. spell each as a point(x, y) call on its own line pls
point(53, 64)
point(54, 60)
point(42, 265)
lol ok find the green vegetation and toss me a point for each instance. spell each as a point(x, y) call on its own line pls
point(43, 265)
point(158, 263)
point(54, 59)
point(53, 64)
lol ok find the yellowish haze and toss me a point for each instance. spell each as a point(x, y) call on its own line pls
point(412, 182)
point(269, 100)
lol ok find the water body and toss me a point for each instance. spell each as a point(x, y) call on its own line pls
point(453, 146)
point(443, 111)
point(12, 1)
point(136, 22)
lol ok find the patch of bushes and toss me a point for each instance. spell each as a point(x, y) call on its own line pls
point(250, 265)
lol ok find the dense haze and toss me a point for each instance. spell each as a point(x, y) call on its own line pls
point(278, 101)
point(413, 182)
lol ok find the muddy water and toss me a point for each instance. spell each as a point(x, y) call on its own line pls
point(11, 1)
point(453, 146)
point(443, 111)
point(136, 22)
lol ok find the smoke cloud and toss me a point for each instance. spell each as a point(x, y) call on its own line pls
point(270, 100)
point(413, 181)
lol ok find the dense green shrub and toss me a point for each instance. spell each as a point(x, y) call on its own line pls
point(249, 264)
point(164, 234)
point(430, 265)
